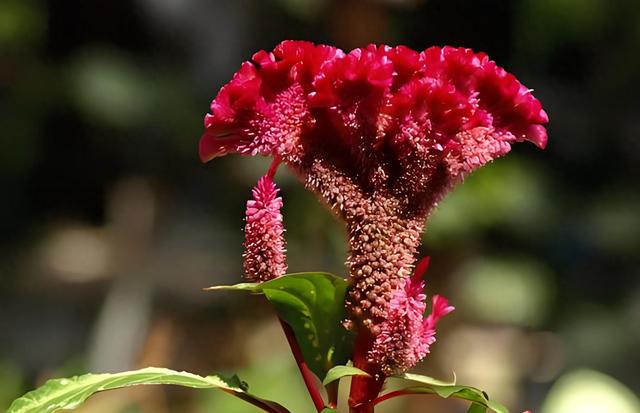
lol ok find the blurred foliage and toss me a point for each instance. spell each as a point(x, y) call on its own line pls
point(22, 25)
point(11, 382)
point(275, 379)
point(111, 89)
point(505, 195)
point(538, 251)
point(585, 391)
point(505, 290)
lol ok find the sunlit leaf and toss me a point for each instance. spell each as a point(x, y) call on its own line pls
point(69, 393)
point(313, 305)
point(471, 394)
point(476, 408)
point(339, 372)
point(426, 379)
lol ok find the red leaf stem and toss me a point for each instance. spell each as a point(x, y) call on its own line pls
point(308, 376)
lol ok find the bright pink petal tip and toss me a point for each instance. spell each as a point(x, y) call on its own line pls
point(538, 135)
point(421, 269)
point(439, 308)
point(215, 145)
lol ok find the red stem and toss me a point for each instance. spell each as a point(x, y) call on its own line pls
point(390, 395)
point(332, 393)
point(307, 375)
point(364, 389)
point(273, 168)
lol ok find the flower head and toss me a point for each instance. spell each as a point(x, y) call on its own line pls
point(264, 257)
point(402, 124)
point(380, 134)
point(441, 111)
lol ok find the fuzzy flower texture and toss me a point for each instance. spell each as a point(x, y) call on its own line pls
point(264, 257)
point(380, 134)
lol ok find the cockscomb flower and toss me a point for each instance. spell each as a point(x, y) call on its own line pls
point(264, 256)
point(406, 335)
point(380, 134)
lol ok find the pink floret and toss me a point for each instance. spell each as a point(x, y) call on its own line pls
point(406, 335)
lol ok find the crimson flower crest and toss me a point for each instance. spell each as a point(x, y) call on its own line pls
point(380, 134)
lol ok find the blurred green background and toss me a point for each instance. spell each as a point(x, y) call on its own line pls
point(110, 226)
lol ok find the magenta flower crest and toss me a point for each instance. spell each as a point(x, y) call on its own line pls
point(264, 256)
point(380, 134)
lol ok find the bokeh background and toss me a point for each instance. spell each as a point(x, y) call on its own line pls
point(110, 226)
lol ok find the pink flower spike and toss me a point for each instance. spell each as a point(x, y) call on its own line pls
point(406, 336)
point(400, 344)
point(264, 256)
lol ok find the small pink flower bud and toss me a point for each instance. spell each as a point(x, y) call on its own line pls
point(264, 256)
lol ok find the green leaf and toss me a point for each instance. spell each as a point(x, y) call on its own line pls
point(471, 394)
point(328, 410)
point(476, 408)
point(426, 379)
point(497, 407)
point(339, 372)
point(313, 305)
point(71, 392)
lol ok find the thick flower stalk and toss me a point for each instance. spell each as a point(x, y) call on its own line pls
point(264, 256)
point(380, 134)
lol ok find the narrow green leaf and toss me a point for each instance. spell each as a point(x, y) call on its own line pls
point(497, 407)
point(476, 408)
point(69, 393)
point(460, 392)
point(426, 379)
point(338, 372)
point(313, 305)
point(328, 410)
